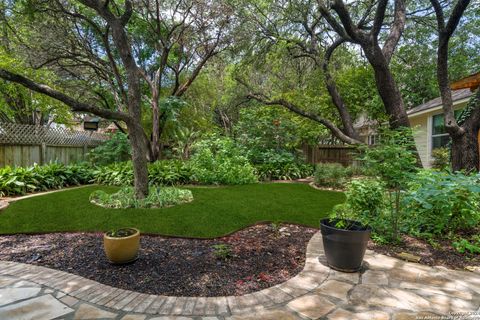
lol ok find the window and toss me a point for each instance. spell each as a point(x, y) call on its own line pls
point(373, 139)
point(440, 137)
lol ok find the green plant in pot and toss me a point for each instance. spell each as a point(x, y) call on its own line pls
point(122, 245)
point(372, 204)
point(344, 240)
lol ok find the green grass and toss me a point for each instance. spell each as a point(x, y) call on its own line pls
point(214, 211)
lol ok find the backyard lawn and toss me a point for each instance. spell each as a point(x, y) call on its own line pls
point(215, 211)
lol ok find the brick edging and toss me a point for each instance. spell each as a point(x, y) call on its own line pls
point(313, 274)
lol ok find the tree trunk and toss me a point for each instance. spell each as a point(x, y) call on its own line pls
point(465, 150)
point(387, 88)
point(155, 145)
point(139, 159)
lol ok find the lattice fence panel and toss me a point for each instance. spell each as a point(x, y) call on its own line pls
point(23, 134)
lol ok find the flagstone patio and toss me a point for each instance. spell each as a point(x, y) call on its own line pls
point(387, 288)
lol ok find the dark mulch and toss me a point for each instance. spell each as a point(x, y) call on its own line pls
point(262, 256)
point(440, 254)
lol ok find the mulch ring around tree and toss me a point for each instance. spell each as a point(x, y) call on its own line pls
point(249, 260)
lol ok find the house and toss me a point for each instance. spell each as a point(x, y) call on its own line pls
point(427, 122)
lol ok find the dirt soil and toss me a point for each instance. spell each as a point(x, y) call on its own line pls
point(440, 254)
point(260, 256)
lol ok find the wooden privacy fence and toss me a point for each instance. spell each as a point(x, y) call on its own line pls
point(342, 154)
point(23, 145)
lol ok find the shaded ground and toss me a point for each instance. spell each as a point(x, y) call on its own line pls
point(440, 254)
point(261, 256)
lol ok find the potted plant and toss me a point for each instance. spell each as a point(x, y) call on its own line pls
point(345, 242)
point(121, 245)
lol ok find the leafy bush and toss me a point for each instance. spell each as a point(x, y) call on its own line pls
point(163, 172)
point(18, 180)
point(394, 163)
point(157, 198)
point(464, 245)
point(441, 158)
point(115, 174)
point(219, 161)
point(366, 202)
point(442, 202)
point(332, 175)
point(288, 170)
point(116, 149)
point(169, 172)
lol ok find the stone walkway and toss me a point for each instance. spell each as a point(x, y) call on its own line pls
point(387, 288)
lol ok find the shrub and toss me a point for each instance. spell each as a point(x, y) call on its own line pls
point(157, 198)
point(116, 149)
point(219, 161)
point(163, 172)
point(395, 164)
point(18, 180)
point(331, 175)
point(367, 204)
point(115, 174)
point(441, 202)
point(441, 158)
point(283, 170)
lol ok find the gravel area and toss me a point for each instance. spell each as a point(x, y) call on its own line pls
point(259, 257)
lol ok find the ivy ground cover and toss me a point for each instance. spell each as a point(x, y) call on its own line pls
point(215, 211)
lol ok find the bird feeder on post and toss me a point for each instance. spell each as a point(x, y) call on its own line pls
point(90, 124)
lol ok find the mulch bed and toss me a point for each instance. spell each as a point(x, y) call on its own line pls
point(261, 256)
point(441, 254)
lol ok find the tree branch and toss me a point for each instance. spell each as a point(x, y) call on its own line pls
point(72, 103)
point(396, 30)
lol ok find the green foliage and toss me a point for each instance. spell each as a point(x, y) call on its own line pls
point(440, 203)
point(441, 158)
point(169, 172)
point(121, 233)
point(116, 149)
point(218, 160)
point(18, 180)
point(222, 251)
point(464, 245)
point(332, 175)
point(162, 172)
point(394, 163)
point(157, 198)
point(283, 166)
point(367, 203)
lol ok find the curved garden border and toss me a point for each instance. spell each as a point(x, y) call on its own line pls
point(312, 275)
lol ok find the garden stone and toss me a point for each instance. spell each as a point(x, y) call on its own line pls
point(341, 314)
point(10, 295)
point(373, 295)
point(69, 301)
point(86, 311)
point(415, 316)
point(311, 306)
point(267, 315)
point(353, 277)
point(445, 304)
point(41, 308)
point(334, 288)
point(375, 277)
point(134, 317)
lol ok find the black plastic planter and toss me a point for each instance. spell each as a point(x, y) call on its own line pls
point(344, 248)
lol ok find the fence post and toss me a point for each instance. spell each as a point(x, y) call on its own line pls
point(43, 153)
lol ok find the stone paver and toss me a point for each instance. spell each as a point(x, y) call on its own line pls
point(40, 308)
point(385, 289)
point(86, 311)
